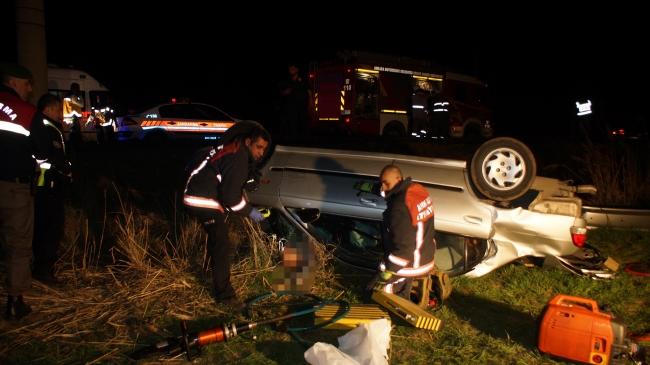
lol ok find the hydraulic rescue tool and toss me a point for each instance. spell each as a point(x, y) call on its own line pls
point(580, 330)
point(191, 343)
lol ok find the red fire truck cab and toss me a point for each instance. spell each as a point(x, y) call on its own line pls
point(371, 93)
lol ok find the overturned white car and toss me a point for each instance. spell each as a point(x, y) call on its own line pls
point(493, 213)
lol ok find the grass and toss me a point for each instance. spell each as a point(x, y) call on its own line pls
point(135, 266)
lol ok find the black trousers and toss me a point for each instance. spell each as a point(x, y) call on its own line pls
point(215, 226)
point(295, 122)
point(49, 224)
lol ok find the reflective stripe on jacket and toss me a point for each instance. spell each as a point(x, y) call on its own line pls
point(217, 182)
point(409, 245)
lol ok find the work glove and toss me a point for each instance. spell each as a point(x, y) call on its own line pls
point(385, 278)
point(363, 187)
point(256, 216)
point(266, 212)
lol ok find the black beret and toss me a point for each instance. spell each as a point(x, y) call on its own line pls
point(15, 70)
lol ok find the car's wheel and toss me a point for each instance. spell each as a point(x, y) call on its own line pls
point(472, 131)
point(394, 130)
point(503, 169)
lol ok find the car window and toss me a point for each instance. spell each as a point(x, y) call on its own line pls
point(358, 242)
point(209, 113)
point(175, 111)
point(355, 241)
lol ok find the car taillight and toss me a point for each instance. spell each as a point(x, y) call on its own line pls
point(578, 235)
point(127, 121)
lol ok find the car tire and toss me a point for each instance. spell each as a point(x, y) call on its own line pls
point(503, 169)
point(472, 132)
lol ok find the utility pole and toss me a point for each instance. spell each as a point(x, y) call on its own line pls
point(476, 41)
point(30, 42)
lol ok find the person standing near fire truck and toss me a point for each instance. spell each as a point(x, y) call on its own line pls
point(440, 111)
point(23, 139)
point(419, 114)
point(298, 104)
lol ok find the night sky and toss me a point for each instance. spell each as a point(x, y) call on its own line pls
point(538, 59)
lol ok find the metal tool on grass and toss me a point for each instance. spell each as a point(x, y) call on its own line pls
point(191, 343)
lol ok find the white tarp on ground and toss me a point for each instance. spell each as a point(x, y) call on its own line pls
point(365, 345)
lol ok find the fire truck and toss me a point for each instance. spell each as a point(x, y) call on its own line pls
point(370, 93)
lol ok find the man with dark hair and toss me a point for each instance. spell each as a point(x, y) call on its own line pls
point(213, 190)
point(408, 239)
point(298, 103)
point(23, 139)
point(53, 186)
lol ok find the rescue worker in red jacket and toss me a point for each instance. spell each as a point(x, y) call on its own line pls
point(23, 136)
point(52, 191)
point(409, 245)
point(214, 189)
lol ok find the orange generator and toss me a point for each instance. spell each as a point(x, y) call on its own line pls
point(579, 330)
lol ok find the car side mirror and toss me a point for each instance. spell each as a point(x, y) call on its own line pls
point(308, 215)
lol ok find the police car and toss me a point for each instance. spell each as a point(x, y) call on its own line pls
point(176, 119)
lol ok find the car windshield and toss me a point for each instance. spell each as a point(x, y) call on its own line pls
point(192, 111)
point(143, 109)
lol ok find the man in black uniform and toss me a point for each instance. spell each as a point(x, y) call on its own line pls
point(439, 121)
point(53, 185)
point(298, 103)
point(23, 136)
point(214, 189)
point(408, 239)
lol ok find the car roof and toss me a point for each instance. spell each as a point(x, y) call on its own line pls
point(151, 106)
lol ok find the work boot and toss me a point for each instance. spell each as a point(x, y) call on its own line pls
point(16, 308)
point(233, 302)
point(47, 278)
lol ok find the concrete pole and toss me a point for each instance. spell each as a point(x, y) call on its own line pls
point(30, 42)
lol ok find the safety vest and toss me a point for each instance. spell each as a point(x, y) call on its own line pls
point(44, 164)
point(72, 106)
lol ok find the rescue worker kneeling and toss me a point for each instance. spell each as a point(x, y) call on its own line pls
point(214, 189)
point(408, 238)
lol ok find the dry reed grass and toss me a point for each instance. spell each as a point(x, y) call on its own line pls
point(619, 169)
point(156, 274)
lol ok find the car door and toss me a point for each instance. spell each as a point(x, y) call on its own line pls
point(193, 120)
point(325, 180)
point(456, 209)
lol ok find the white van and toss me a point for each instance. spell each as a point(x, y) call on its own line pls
point(94, 93)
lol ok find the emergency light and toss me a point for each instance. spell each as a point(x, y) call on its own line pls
point(585, 108)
